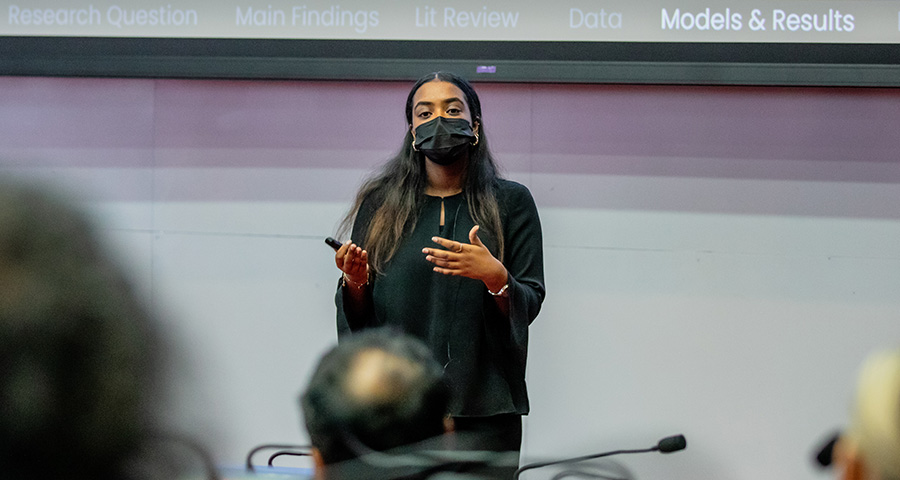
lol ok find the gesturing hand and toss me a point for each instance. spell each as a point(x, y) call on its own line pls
point(472, 260)
point(353, 261)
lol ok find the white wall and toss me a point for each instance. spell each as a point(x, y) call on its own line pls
point(718, 260)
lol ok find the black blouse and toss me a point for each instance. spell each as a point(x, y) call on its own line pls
point(483, 352)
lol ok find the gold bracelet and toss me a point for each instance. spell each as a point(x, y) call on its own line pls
point(345, 281)
point(501, 292)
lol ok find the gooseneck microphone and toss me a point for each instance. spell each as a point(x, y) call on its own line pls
point(670, 444)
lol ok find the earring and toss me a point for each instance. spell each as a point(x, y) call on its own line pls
point(415, 148)
point(476, 139)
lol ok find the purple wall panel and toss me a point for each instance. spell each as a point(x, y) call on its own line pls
point(76, 113)
point(279, 115)
point(794, 134)
point(585, 129)
point(717, 123)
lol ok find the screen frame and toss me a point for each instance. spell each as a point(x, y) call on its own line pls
point(687, 63)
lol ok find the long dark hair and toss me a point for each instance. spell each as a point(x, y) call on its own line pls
point(399, 188)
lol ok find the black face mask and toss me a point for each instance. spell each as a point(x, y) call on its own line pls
point(444, 140)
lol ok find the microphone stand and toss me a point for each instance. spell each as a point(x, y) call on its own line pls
point(666, 445)
point(579, 459)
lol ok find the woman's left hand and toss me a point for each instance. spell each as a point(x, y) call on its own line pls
point(472, 260)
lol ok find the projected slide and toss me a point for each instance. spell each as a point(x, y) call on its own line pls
point(507, 20)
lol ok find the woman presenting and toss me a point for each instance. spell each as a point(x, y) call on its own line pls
point(445, 250)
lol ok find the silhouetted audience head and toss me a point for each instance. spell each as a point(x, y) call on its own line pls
point(77, 357)
point(870, 448)
point(377, 390)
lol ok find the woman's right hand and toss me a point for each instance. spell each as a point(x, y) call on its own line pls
point(354, 262)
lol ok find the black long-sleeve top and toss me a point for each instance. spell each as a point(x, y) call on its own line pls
point(483, 351)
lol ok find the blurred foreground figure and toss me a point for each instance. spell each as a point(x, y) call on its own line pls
point(375, 392)
point(870, 448)
point(376, 409)
point(77, 354)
